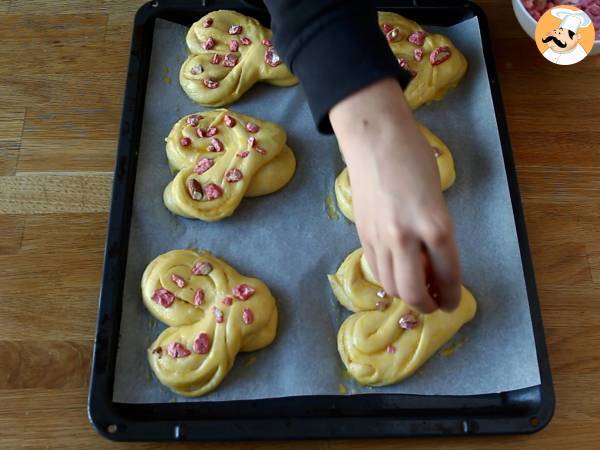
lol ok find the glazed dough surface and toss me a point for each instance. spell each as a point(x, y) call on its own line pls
point(250, 67)
point(375, 349)
point(431, 82)
point(198, 373)
point(445, 163)
point(265, 168)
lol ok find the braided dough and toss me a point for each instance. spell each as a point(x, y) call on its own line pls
point(228, 53)
point(433, 60)
point(213, 313)
point(385, 341)
point(238, 156)
point(445, 164)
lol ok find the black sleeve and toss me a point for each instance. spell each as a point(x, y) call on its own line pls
point(334, 47)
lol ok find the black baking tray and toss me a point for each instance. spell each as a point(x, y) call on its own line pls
point(373, 415)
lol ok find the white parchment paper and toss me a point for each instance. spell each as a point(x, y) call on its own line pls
point(289, 240)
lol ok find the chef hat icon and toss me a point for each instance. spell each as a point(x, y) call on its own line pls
point(570, 19)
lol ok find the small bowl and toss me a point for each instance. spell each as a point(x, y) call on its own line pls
point(528, 23)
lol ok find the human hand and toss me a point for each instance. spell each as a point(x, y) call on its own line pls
point(403, 223)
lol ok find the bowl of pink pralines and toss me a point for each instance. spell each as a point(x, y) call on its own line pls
point(528, 12)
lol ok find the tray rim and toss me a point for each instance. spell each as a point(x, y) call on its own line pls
point(473, 415)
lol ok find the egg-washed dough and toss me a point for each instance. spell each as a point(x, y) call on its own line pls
point(445, 163)
point(374, 347)
point(268, 166)
point(203, 369)
point(251, 59)
point(430, 82)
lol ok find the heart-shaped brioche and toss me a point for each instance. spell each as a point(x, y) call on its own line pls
point(213, 313)
point(385, 341)
point(445, 163)
point(221, 157)
point(435, 64)
point(228, 53)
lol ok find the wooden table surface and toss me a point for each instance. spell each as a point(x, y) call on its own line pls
point(61, 82)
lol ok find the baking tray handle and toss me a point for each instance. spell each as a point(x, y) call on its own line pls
point(259, 4)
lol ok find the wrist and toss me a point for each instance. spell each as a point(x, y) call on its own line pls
point(370, 117)
point(383, 97)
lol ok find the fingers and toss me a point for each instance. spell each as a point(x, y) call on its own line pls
point(369, 253)
point(442, 258)
point(396, 263)
point(386, 271)
point(409, 276)
point(404, 243)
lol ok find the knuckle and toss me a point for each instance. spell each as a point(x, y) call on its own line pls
point(438, 232)
point(365, 230)
point(399, 234)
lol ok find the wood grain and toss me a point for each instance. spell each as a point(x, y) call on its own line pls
point(53, 193)
point(12, 236)
point(59, 118)
point(12, 121)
